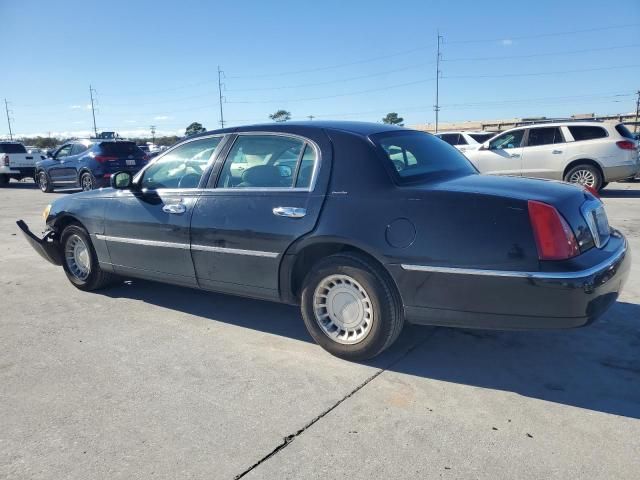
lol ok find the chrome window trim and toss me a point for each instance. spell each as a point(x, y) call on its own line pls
point(186, 246)
point(305, 140)
point(531, 275)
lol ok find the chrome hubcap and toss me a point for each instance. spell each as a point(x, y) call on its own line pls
point(343, 309)
point(87, 184)
point(77, 257)
point(43, 181)
point(583, 177)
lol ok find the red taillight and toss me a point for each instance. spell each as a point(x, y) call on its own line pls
point(592, 191)
point(5, 160)
point(626, 145)
point(554, 238)
point(107, 175)
point(104, 158)
point(145, 158)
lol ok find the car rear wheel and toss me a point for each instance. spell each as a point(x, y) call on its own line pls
point(586, 175)
point(80, 261)
point(87, 182)
point(350, 307)
point(44, 183)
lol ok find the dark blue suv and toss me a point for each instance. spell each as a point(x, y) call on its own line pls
point(88, 164)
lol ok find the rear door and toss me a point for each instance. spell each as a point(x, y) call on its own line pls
point(147, 229)
point(503, 155)
point(544, 153)
point(247, 217)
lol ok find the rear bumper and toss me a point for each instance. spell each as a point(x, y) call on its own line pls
point(473, 298)
point(620, 172)
point(47, 247)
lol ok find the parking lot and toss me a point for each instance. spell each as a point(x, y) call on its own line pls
point(145, 380)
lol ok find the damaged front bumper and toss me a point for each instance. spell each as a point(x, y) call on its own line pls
point(47, 247)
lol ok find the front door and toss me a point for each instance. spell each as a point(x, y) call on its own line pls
point(503, 156)
point(544, 153)
point(63, 172)
point(147, 228)
point(248, 217)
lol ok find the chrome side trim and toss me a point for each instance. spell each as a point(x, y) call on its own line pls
point(186, 246)
point(234, 251)
point(139, 241)
point(603, 266)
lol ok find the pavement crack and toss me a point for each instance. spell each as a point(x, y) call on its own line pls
point(286, 441)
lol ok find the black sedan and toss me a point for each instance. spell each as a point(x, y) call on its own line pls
point(365, 226)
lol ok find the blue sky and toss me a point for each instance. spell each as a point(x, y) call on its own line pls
point(155, 63)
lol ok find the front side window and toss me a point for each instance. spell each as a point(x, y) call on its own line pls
point(182, 167)
point(511, 139)
point(420, 156)
point(268, 161)
point(544, 136)
point(585, 132)
point(481, 137)
point(63, 152)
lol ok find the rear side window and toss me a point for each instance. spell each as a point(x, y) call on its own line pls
point(12, 148)
point(120, 149)
point(451, 138)
point(78, 148)
point(624, 131)
point(544, 136)
point(417, 156)
point(587, 132)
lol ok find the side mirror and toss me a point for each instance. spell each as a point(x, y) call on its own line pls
point(484, 146)
point(121, 180)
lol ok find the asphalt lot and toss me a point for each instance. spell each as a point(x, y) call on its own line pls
point(152, 381)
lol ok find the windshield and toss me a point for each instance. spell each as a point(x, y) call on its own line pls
point(420, 156)
point(12, 148)
point(481, 137)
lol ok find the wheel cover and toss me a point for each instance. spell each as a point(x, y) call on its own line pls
point(42, 180)
point(343, 309)
point(583, 177)
point(77, 257)
point(87, 184)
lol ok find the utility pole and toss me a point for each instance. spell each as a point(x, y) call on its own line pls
point(311, 117)
point(220, 73)
point(6, 108)
point(153, 134)
point(635, 125)
point(436, 107)
point(93, 111)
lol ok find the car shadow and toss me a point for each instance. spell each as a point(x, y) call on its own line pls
point(619, 193)
point(596, 367)
point(28, 185)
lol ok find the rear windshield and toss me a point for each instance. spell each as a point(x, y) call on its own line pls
point(624, 131)
point(12, 148)
point(121, 149)
point(417, 156)
point(587, 132)
point(481, 137)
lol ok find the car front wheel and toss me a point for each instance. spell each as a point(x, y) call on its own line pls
point(44, 183)
point(80, 261)
point(350, 306)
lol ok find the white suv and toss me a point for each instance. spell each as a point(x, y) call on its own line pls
point(590, 153)
point(464, 141)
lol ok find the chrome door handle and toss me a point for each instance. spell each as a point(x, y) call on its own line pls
point(292, 212)
point(174, 208)
point(555, 152)
point(514, 155)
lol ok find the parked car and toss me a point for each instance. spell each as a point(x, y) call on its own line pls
point(372, 225)
point(588, 153)
point(88, 164)
point(15, 162)
point(465, 140)
point(36, 152)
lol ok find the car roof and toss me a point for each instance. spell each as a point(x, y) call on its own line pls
point(358, 128)
point(486, 132)
point(568, 123)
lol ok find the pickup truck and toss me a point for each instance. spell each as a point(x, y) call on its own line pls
point(16, 162)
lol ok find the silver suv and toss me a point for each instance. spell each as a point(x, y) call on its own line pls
point(590, 153)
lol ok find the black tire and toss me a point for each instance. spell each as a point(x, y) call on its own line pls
point(604, 185)
point(4, 180)
point(44, 182)
point(386, 305)
point(96, 278)
point(587, 171)
point(87, 182)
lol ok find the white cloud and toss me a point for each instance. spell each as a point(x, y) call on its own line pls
point(130, 121)
point(81, 107)
point(507, 42)
point(162, 117)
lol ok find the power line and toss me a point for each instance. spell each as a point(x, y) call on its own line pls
point(533, 55)
point(543, 35)
point(533, 74)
